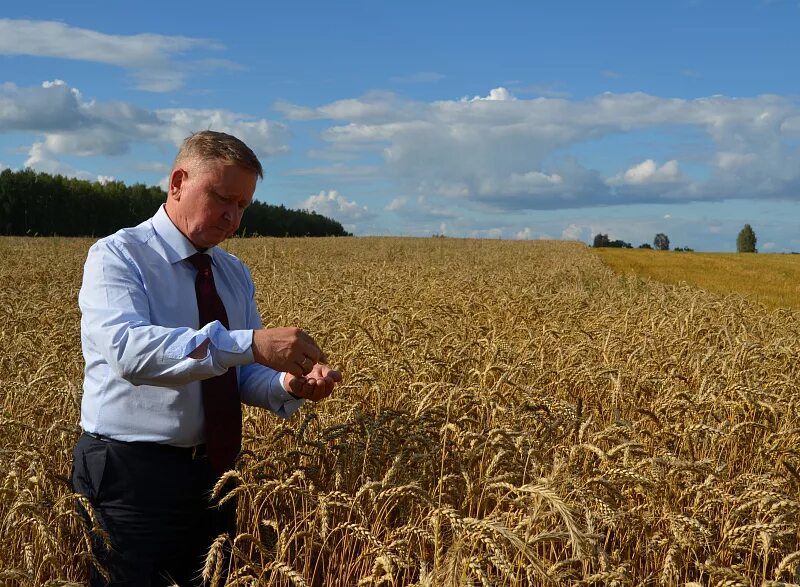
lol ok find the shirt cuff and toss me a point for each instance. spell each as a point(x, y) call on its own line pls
point(233, 348)
point(281, 392)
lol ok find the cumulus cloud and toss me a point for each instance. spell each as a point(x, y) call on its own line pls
point(647, 172)
point(524, 234)
point(334, 205)
point(40, 159)
point(265, 137)
point(69, 125)
point(574, 232)
point(516, 154)
point(150, 58)
point(375, 107)
point(495, 95)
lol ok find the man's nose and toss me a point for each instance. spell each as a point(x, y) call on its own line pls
point(234, 216)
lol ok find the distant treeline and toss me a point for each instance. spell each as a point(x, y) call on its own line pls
point(33, 203)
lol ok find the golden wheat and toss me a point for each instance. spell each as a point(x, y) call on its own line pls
point(512, 414)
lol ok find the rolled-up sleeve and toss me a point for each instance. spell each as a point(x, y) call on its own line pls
point(116, 322)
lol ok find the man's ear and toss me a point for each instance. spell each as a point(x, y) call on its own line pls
point(176, 179)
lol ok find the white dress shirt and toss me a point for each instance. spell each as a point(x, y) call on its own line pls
point(140, 322)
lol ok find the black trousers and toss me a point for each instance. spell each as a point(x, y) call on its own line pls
point(154, 501)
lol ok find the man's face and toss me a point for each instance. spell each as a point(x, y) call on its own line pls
point(207, 199)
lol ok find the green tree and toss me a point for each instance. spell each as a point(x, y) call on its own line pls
point(661, 242)
point(36, 203)
point(746, 241)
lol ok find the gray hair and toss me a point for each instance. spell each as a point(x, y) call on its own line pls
point(210, 145)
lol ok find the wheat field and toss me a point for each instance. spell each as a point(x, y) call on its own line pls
point(766, 278)
point(512, 413)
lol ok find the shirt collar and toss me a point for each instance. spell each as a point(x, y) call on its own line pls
point(177, 246)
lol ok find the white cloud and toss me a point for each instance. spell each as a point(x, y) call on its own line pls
point(397, 204)
point(375, 107)
point(574, 232)
point(104, 179)
point(149, 57)
point(40, 159)
point(334, 205)
point(516, 154)
point(524, 234)
point(769, 246)
point(532, 181)
point(647, 172)
point(495, 95)
point(263, 136)
point(69, 125)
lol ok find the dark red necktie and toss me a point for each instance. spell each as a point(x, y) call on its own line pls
point(223, 409)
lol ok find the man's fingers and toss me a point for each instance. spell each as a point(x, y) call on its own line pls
point(315, 385)
point(306, 364)
point(310, 347)
point(287, 349)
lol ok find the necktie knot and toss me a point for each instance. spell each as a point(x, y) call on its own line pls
point(201, 262)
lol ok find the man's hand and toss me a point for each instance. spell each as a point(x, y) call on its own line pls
point(317, 385)
point(286, 349)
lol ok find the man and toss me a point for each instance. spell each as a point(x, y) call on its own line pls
point(173, 343)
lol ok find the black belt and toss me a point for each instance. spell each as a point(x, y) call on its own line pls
point(197, 451)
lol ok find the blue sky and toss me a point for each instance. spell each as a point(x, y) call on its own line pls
point(473, 119)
